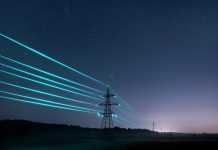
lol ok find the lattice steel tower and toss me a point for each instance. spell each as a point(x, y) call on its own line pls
point(107, 121)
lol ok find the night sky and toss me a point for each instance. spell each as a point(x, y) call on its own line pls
point(161, 56)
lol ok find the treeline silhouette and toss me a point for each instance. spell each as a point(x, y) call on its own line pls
point(23, 128)
point(27, 134)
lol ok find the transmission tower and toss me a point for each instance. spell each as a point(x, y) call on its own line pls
point(107, 115)
point(153, 126)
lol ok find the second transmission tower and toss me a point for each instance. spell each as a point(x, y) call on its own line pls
point(107, 121)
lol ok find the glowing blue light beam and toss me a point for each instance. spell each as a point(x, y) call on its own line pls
point(127, 106)
point(120, 122)
point(123, 101)
point(123, 119)
point(45, 93)
point(123, 111)
point(42, 104)
point(48, 101)
point(51, 59)
point(40, 77)
point(46, 84)
point(114, 115)
point(50, 74)
point(99, 114)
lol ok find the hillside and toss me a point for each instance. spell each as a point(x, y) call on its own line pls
point(21, 134)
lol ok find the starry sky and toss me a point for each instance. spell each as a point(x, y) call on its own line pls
point(161, 56)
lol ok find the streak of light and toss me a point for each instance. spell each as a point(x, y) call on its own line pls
point(45, 93)
point(52, 59)
point(50, 74)
point(40, 77)
point(47, 101)
point(42, 104)
point(46, 84)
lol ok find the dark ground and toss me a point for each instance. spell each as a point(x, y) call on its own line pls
point(26, 135)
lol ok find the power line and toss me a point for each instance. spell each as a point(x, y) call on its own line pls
point(50, 74)
point(23, 71)
point(51, 59)
point(121, 118)
point(123, 101)
point(43, 104)
point(53, 75)
point(46, 84)
point(48, 101)
point(120, 122)
point(53, 81)
point(40, 77)
point(45, 93)
point(125, 112)
point(121, 110)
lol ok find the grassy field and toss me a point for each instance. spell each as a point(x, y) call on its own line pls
point(29, 144)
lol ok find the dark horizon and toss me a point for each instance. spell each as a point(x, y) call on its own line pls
point(19, 123)
point(55, 136)
point(160, 56)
